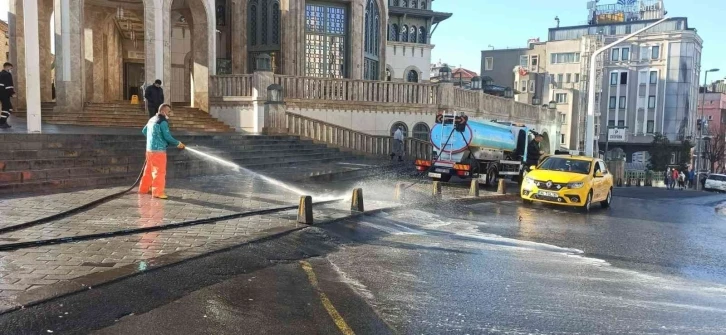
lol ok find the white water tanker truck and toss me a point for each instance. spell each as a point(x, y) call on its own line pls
point(466, 148)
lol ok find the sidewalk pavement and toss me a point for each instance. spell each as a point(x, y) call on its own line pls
point(38, 273)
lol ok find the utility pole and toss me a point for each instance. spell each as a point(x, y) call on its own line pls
point(699, 129)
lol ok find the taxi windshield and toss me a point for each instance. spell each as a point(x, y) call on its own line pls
point(566, 165)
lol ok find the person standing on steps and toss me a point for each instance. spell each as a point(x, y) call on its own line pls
point(158, 138)
point(154, 96)
point(7, 91)
point(398, 144)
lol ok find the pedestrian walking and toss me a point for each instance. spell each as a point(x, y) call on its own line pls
point(158, 138)
point(7, 91)
point(398, 144)
point(682, 180)
point(667, 179)
point(691, 178)
point(154, 96)
point(674, 179)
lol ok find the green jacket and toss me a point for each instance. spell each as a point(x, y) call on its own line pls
point(157, 133)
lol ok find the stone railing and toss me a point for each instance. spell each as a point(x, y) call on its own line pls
point(466, 99)
point(239, 85)
point(348, 139)
point(306, 88)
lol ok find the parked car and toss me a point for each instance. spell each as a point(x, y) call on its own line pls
point(715, 182)
point(569, 180)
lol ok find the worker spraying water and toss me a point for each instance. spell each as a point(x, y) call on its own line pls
point(158, 138)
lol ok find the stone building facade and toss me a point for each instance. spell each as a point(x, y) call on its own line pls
point(107, 50)
point(4, 42)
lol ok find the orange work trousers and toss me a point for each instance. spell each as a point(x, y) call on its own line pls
point(154, 178)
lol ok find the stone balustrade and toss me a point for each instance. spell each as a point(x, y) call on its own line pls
point(231, 86)
point(347, 139)
point(306, 88)
point(466, 99)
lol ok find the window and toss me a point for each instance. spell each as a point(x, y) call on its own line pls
point(401, 125)
point(621, 123)
point(263, 35)
point(524, 86)
point(422, 35)
point(552, 79)
point(523, 61)
point(421, 131)
point(534, 61)
point(325, 40)
point(568, 78)
point(567, 57)
point(560, 78)
point(532, 86)
point(655, 52)
point(710, 118)
point(562, 138)
point(423, 4)
point(623, 78)
point(615, 54)
point(414, 3)
point(563, 118)
point(561, 98)
point(611, 123)
point(371, 48)
point(621, 105)
point(613, 78)
point(488, 63)
point(393, 32)
point(413, 34)
point(651, 101)
point(404, 33)
point(613, 31)
point(577, 77)
point(412, 76)
point(613, 102)
point(628, 29)
point(625, 54)
point(644, 55)
point(653, 77)
point(650, 127)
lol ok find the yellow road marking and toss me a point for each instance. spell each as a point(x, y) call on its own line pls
point(339, 321)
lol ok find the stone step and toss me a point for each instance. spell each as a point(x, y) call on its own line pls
point(137, 157)
point(116, 124)
point(7, 148)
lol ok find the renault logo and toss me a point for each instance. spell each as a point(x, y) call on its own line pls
point(549, 184)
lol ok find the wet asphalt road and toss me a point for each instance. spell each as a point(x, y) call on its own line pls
point(655, 263)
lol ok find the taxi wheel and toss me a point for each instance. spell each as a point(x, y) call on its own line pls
point(606, 203)
point(526, 201)
point(588, 202)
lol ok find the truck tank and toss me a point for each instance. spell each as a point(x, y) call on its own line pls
point(477, 134)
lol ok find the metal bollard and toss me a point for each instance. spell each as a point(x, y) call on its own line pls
point(398, 195)
point(356, 202)
point(474, 188)
point(305, 210)
point(436, 189)
point(502, 188)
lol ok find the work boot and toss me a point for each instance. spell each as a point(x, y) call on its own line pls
point(5, 126)
point(163, 196)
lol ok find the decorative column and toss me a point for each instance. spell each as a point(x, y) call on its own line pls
point(261, 80)
point(239, 36)
point(445, 95)
point(32, 64)
point(69, 56)
point(17, 49)
point(44, 15)
point(356, 36)
point(157, 33)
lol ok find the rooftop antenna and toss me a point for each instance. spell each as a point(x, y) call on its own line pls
point(557, 19)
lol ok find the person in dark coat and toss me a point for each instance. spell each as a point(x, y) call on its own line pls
point(154, 96)
point(7, 91)
point(533, 150)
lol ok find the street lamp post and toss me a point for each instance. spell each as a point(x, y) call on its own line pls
point(700, 129)
point(590, 126)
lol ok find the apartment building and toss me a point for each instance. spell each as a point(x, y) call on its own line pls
point(647, 84)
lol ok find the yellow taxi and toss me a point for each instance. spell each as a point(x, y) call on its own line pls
point(576, 181)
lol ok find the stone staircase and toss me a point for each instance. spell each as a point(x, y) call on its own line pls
point(56, 162)
point(123, 114)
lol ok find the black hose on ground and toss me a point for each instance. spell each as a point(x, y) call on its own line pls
point(73, 211)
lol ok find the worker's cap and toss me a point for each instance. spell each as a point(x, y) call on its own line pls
point(158, 82)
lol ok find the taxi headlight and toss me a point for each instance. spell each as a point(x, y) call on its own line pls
point(528, 181)
point(575, 185)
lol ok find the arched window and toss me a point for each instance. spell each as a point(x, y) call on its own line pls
point(402, 125)
point(421, 131)
point(371, 48)
point(423, 4)
point(404, 33)
point(263, 31)
point(389, 74)
point(393, 2)
point(422, 35)
point(404, 3)
point(412, 76)
point(393, 32)
point(414, 4)
point(412, 34)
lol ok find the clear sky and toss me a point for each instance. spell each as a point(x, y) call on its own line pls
point(509, 23)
